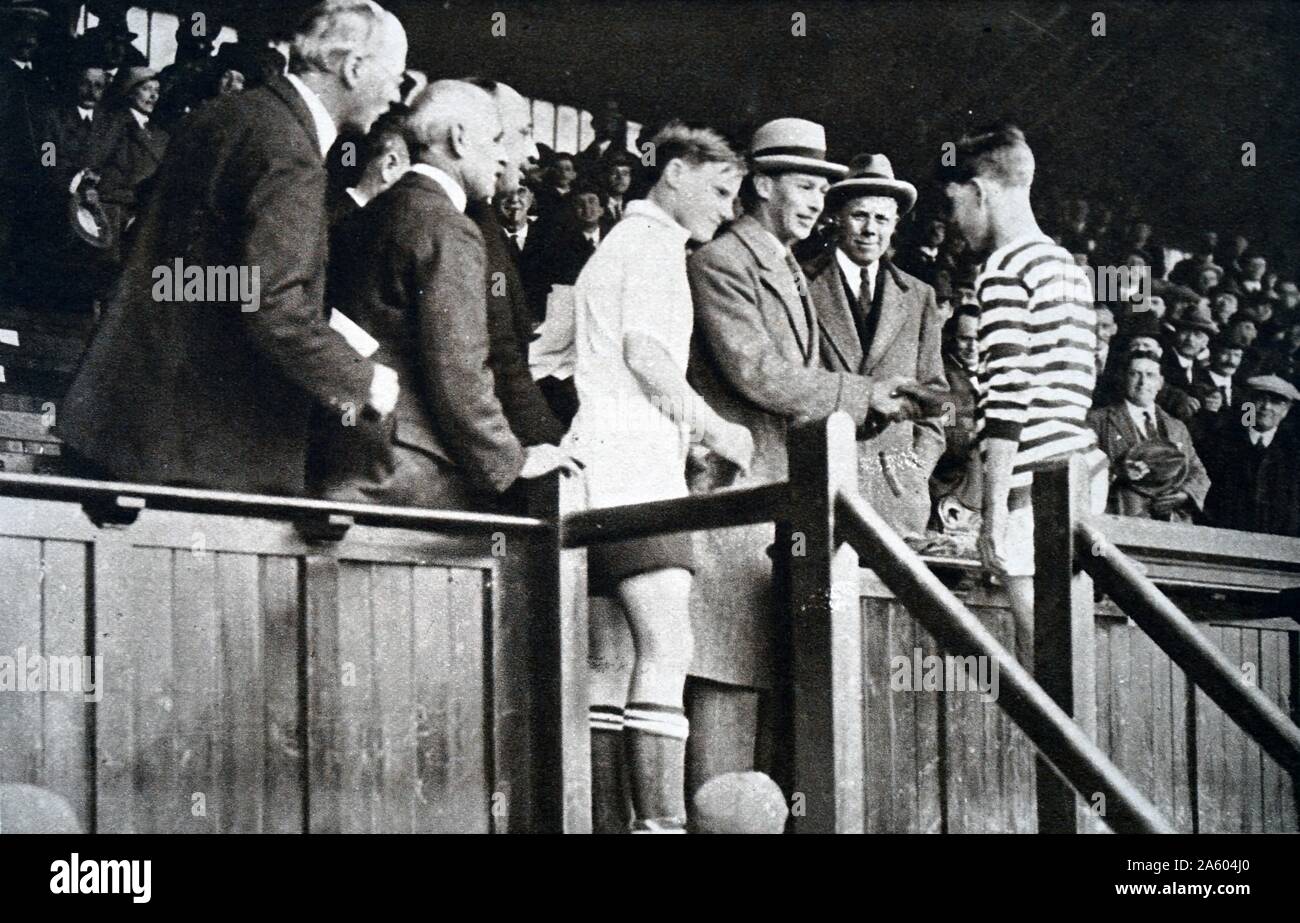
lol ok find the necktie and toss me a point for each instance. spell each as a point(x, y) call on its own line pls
point(801, 286)
point(1148, 424)
point(865, 294)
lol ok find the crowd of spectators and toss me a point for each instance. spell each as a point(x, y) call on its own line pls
point(1196, 367)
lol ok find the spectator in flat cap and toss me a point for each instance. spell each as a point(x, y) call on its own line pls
point(1154, 468)
point(1255, 466)
point(617, 172)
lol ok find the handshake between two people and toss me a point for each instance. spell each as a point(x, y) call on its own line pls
point(898, 397)
point(539, 460)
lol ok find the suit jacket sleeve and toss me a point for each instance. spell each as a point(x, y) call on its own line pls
point(928, 439)
point(284, 211)
point(727, 318)
point(1197, 485)
point(530, 416)
point(458, 383)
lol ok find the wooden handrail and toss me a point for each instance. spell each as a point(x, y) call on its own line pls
point(1178, 637)
point(698, 512)
point(957, 629)
point(120, 501)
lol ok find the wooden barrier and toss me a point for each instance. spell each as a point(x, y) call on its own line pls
point(259, 676)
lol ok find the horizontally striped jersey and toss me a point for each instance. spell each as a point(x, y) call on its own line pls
point(1037, 337)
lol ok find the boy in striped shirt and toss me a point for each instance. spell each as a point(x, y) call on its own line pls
point(1037, 337)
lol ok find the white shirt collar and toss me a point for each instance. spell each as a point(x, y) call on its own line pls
point(22, 65)
point(1139, 414)
point(644, 208)
point(1183, 360)
point(326, 130)
point(593, 235)
point(140, 118)
point(1262, 435)
point(930, 251)
point(443, 179)
point(85, 113)
point(853, 272)
point(357, 197)
point(1223, 381)
point(522, 233)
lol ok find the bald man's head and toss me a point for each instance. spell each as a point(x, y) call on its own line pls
point(517, 124)
point(454, 125)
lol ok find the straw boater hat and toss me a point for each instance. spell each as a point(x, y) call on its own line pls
point(872, 174)
point(792, 146)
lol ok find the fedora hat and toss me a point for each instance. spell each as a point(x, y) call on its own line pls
point(128, 78)
point(792, 146)
point(1197, 317)
point(873, 174)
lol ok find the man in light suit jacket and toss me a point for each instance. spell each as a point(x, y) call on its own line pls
point(218, 393)
point(1143, 482)
point(880, 322)
point(412, 272)
point(756, 360)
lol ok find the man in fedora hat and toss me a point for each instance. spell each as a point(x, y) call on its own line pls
point(1193, 328)
point(1154, 468)
point(756, 360)
point(1255, 463)
point(880, 322)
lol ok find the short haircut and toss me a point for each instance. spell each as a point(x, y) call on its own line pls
point(964, 311)
point(694, 145)
point(388, 134)
point(1134, 355)
point(333, 29)
point(998, 153)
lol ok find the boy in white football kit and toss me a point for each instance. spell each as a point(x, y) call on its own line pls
point(636, 420)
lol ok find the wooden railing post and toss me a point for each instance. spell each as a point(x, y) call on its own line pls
point(558, 596)
point(1065, 662)
point(826, 633)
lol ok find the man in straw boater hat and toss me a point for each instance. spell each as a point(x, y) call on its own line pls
point(1037, 339)
point(756, 359)
point(1254, 463)
point(880, 322)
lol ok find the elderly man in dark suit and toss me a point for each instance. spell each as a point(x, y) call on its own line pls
point(756, 360)
point(1154, 467)
point(879, 322)
point(1255, 463)
point(218, 393)
point(412, 272)
point(510, 317)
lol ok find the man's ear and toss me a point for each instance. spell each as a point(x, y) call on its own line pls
point(350, 73)
point(458, 139)
point(763, 185)
point(672, 173)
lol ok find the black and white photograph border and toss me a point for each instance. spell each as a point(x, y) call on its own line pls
point(348, 350)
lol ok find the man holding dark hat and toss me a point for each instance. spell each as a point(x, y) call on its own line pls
point(1256, 466)
point(880, 322)
point(756, 360)
point(1155, 471)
